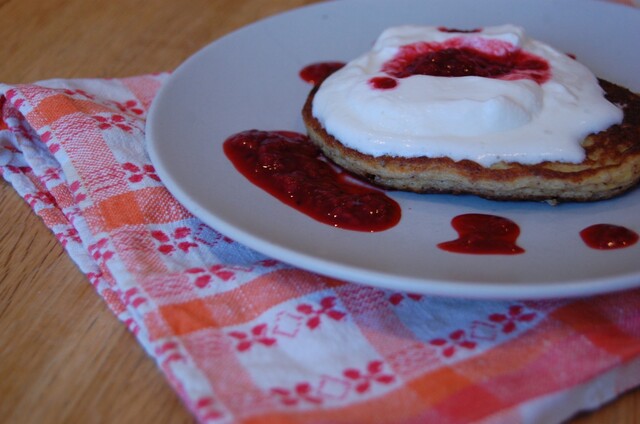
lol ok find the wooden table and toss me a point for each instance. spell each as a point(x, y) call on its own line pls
point(63, 356)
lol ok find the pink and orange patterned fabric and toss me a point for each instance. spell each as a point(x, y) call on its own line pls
point(244, 338)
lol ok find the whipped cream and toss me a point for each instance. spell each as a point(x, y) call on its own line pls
point(511, 118)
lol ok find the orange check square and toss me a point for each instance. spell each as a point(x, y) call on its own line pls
point(120, 210)
point(184, 318)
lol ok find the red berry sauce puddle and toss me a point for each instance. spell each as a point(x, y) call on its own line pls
point(457, 57)
point(289, 167)
point(315, 73)
point(608, 237)
point(483, 234)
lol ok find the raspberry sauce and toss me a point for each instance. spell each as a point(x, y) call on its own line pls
point(455, 58)
point(483, 234)
point(315, 73)
point(383, 83)
point(608, 237)
point(289, 167)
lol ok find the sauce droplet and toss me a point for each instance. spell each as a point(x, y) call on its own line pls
point(484, 235)
point(608, 237)
point(383, 83)
point(289, 167)
point(315, 73)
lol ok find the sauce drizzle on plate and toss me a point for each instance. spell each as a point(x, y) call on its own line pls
point(289, 167)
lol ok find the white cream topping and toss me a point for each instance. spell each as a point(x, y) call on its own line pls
point(486, 120)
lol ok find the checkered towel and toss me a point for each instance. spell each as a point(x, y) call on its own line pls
point(245, 338)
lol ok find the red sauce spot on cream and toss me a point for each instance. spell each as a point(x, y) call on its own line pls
point(289, 167)
point(484, 235)
point(383, 83)
point(472, 56)
point(608, 237)
point(315, 73)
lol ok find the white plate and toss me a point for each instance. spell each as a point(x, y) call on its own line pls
point(249, 79)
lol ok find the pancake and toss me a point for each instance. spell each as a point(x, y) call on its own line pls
point(611, 166)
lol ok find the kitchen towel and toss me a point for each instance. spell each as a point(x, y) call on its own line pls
point(244, 338)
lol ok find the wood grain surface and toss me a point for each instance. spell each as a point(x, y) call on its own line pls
point(64, 357)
